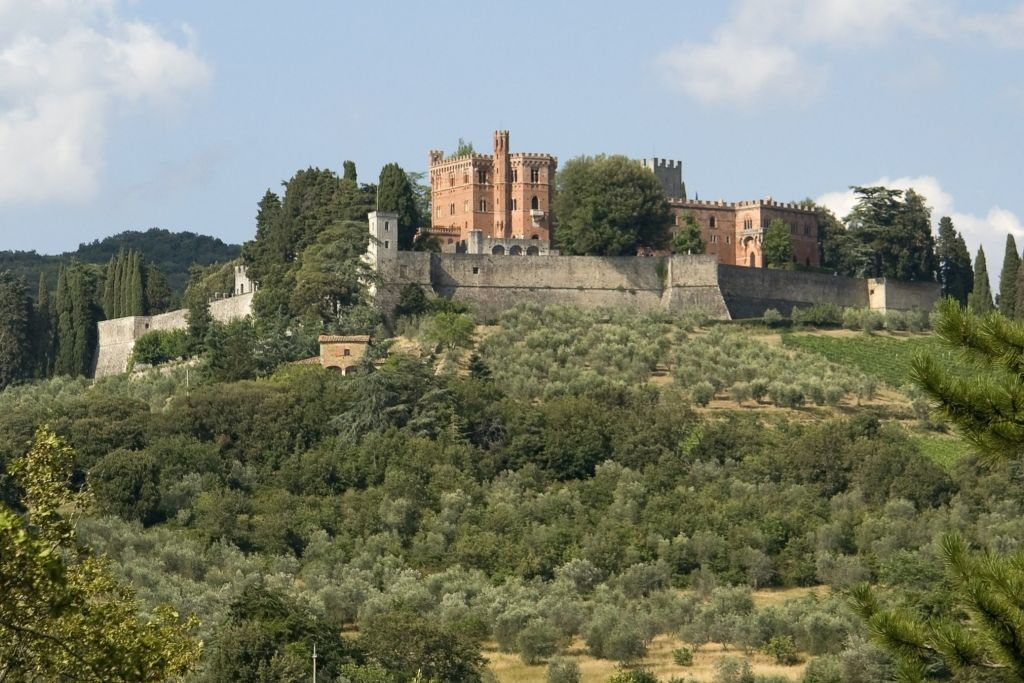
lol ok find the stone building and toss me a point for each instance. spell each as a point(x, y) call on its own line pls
point(734, 231)
point(342, 353)
point(504, 195)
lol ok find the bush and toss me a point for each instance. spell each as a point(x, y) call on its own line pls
point(895, 321)
point(740, 392)
point(783, 649)
point(771, 317)
point(758, 389)
point(537, 640)
point(563, 671)
point(126, 483)
point(702, 392)
point(872, 321)
point(682, 656)
point(160, 346)
point(633, 676)
point(733, 670)
point(823, 670)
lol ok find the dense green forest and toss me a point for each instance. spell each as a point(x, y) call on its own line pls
point(554, 494)
point(172, 252)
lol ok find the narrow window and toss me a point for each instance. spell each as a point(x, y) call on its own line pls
point(534, 204)
point(387, 226)
point(515, 175)
point(711, 221)
point(534, 175)
point(515, 204)
point(387, 245)
point(476, 270)
point(481, 177)
point(451, 209)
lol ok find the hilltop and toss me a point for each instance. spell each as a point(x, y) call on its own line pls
point(172, 252)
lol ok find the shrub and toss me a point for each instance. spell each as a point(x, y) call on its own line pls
point(872, 321)
point(740, 392)
point(783, 649)
point(633, 676)
point(833, 395)
point(771, 317)
point(823, 315)
point(758, 389)
point(895, 321)
point(682, 656)
point(537, 640)
point(702, 392)
point(563, 671)
point(853, 318)
point(733, 670)
point(160, 346)
point(823, 670)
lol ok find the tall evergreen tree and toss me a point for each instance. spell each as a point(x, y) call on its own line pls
point(980, 298)
point(954, 262)
point(895, 234)
point(137, 303)
point(395, 193)
point(349, 171)
point(1008, 278)
point(109, 296)
point(15, 330)
point(76, 317)
point(1018, 291)
point(158, 290)
point(42, 335)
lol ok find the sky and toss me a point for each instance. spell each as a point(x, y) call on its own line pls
point(120, 114)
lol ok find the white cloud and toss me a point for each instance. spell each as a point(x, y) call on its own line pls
point(988, 230)
point(760, 52)
point(66, 67)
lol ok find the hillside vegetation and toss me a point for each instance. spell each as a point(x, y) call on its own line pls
point(172, 252)
point(529, 492)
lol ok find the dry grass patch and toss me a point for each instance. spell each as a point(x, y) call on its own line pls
point(509, 668)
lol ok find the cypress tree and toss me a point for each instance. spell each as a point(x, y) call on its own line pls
point(76, 315)
point(126, 285)
point(43, 333)
point(349, 171)
point(108, 288)
point(137, 303)
point(1018, 311)
point(980, 299)
point(1008, 278)
point(15, 330)
point(395, 193)
point(117, 286)
point(954, 262)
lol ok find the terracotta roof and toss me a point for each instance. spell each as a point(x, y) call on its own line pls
point(315, 360)
point(355, 338)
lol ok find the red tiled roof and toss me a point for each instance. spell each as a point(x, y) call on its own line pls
point(355, 338)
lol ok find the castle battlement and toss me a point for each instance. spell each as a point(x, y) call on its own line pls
point(666, 163)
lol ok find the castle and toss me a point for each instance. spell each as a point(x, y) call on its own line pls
point(506, 197)
point(487, 208)
point(492, 282)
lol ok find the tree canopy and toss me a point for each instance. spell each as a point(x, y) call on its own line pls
point(954, 261)
point(396, 193)
point(894, 229)
point(686, 239)
point(778, 245)
point(609, 206)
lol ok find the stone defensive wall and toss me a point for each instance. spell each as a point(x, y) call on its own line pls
point(117, 337)
point(492, 284)
point(749, 292)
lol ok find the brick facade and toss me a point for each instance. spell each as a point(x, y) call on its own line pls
point(504, 195)
point(734, 231)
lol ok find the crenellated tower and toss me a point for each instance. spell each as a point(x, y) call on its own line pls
point(502, 186)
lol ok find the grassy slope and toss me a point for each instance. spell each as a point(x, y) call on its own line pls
point(887, 357)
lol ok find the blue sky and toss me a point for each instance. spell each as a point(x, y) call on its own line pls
point(122, 115)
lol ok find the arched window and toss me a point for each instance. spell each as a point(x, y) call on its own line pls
point(498, 250)
point(534, 204)
point(711, 221)
point(515, 251)
point(532, 251)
